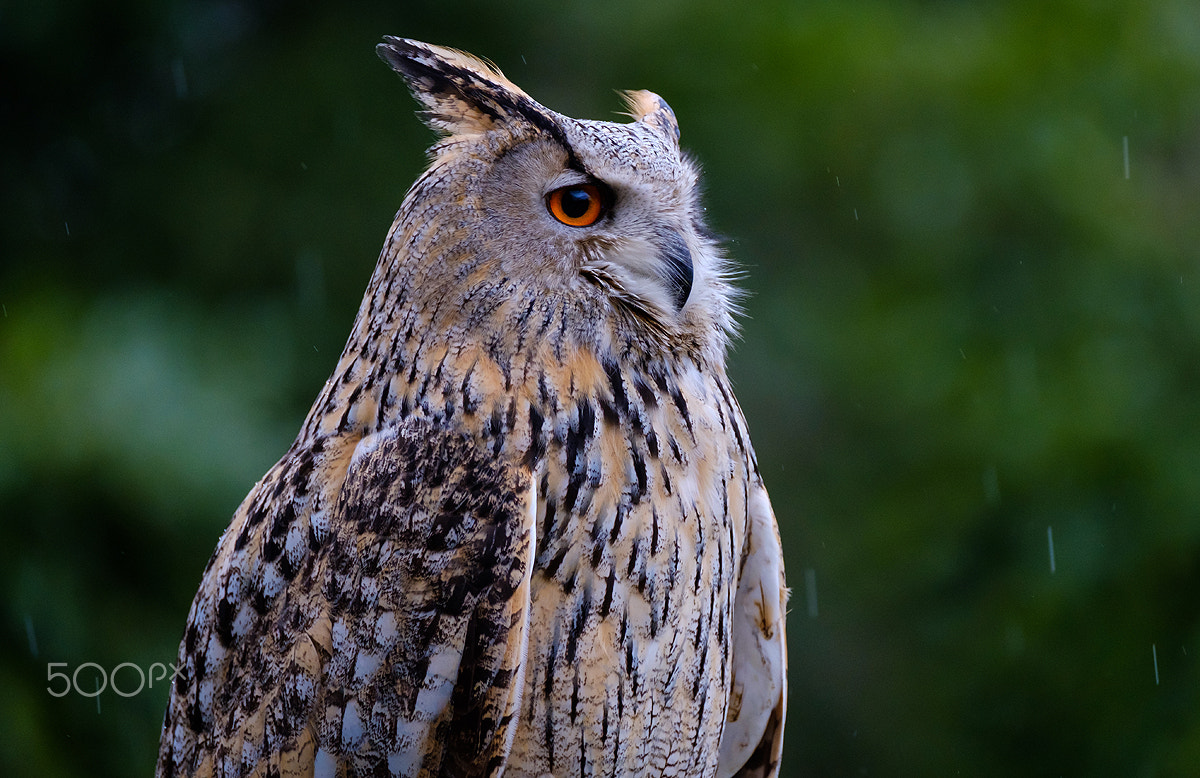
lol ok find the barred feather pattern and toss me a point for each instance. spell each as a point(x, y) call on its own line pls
point(522, 530)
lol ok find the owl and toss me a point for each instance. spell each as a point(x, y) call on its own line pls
point(522, 531)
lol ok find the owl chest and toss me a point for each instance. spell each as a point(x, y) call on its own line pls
point(632, 593)
point(641, 482)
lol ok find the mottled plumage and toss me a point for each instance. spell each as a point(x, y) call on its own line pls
point(522, 530)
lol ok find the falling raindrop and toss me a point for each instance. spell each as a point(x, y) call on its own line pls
point(29, 634)
point(1125, 148)
point(1154, 652)
point(180, 76)
point(1050, 542)
point(991, 486)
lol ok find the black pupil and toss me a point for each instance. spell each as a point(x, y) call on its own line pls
point(576, 201)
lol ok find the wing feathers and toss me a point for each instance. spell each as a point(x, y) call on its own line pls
point(400, 651)
point(752, 740)
point(440, 536)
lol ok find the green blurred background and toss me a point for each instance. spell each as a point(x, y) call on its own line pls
point(970, 232)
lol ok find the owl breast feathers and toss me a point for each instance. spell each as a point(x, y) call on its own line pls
point(522, 530)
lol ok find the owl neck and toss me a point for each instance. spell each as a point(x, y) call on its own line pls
point(481, 360)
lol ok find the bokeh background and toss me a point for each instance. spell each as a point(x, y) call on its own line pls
point(970, 362)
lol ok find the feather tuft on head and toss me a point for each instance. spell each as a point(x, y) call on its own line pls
point(462, 94)
point(649, 108)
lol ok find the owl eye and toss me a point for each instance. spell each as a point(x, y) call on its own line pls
point(578, 205)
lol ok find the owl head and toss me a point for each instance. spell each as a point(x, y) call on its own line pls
point(603, 217)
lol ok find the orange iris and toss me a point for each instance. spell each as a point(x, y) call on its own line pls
point(578, 205)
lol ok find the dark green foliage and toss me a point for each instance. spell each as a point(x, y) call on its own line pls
point(970, 231)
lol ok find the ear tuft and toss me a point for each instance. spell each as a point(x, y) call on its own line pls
point(649, 108)
point(462, 94)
